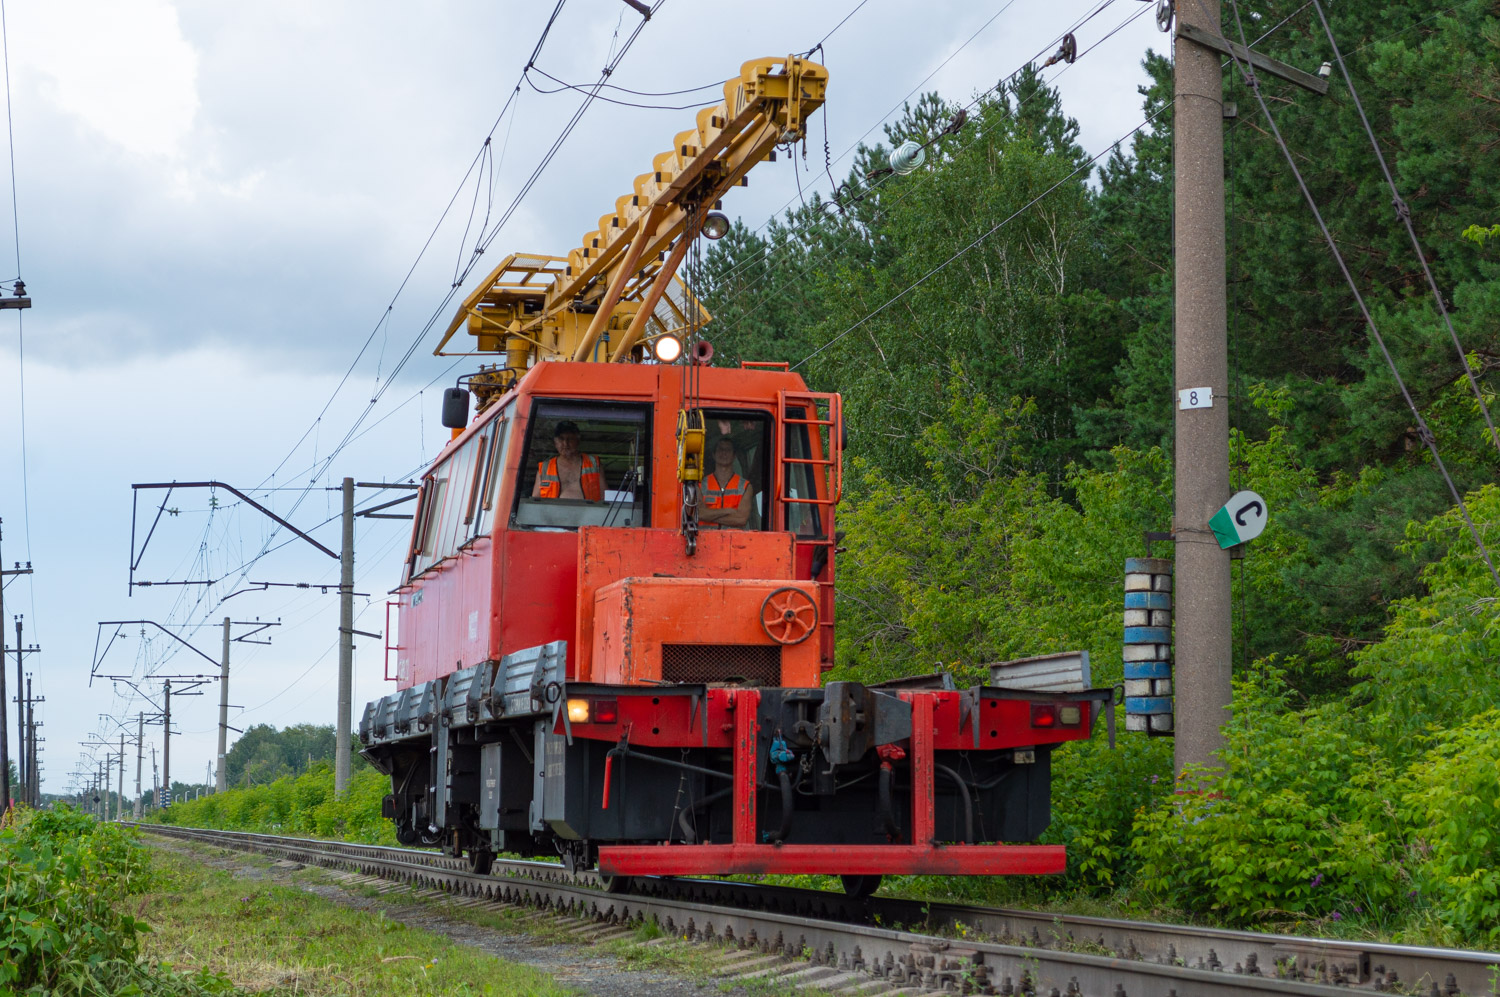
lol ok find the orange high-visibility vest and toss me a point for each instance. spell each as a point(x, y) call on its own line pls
point(716, 496)
point(591, 480)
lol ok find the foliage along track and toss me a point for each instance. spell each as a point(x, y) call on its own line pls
point(824, 941)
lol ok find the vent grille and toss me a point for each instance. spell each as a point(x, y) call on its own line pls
point(751, 664)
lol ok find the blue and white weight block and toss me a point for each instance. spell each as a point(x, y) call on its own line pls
point(1148, 644)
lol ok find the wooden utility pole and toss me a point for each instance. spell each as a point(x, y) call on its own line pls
point(33, 762)
point(5, 786)
point(20, 717)
point(1201, 455)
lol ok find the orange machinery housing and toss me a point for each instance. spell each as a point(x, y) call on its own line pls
point(550, 648)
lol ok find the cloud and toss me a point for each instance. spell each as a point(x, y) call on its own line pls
point(121, 68)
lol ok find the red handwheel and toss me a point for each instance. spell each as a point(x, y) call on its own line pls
point(788, 615)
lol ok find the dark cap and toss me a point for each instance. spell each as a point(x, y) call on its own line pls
point(566, 426)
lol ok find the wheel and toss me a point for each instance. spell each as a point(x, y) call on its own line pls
point(614, 884)
point(860, 887)
point(481, 860)
point(788, 616)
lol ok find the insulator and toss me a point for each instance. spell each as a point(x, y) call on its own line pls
point(907, 158)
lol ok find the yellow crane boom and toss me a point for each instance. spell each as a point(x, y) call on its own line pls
point(619, 287)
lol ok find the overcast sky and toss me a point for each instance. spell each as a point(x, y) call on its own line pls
point(217, 204)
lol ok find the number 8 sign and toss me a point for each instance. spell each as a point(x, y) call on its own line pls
point(1195, 398)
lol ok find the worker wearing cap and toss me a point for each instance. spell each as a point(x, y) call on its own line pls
point(569, 475)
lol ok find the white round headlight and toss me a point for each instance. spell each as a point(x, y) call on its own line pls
point(667, 348)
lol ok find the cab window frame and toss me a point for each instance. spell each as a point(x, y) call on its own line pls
point(549, 409)
point(450, 519)
point(765, 485)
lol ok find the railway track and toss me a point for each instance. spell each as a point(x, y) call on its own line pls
point(883, 945)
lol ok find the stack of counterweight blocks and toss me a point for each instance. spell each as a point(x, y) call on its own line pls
point(1148, 644)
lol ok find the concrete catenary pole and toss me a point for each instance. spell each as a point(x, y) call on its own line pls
point(166, 742)
point(33, 783)
point(346, 645)
point(140, 749)
point(219, 777)
point(120, 787)
point(4, 734)
point(1201, 461)
point(22, 793)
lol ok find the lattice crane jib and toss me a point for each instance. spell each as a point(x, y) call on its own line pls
point(619, 288)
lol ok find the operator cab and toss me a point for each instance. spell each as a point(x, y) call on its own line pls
point(575, 447)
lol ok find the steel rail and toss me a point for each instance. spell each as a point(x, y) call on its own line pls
point(826, 940)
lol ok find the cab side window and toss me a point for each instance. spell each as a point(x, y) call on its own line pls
point(458, 496)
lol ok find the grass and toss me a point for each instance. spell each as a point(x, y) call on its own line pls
point(275, 940)
point(643, 949)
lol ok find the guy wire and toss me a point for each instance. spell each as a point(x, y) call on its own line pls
point(1422, 428)
point(1403, 212)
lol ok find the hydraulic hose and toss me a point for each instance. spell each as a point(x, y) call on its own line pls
point(786, 809)
point(689, 835)
point(887, 808)
point(963, 792)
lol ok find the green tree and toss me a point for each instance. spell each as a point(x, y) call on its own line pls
point(264, 754)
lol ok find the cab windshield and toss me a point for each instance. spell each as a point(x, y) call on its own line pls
point(585, 465)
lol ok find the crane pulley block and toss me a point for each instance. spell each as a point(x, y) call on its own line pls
point(691, 433)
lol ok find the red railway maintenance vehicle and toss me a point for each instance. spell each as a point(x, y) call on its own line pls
point(617, 606)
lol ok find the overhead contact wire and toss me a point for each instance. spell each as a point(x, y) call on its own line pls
point(880, 182)
point(827, 254)
point(1087, 165)
point(483, 245)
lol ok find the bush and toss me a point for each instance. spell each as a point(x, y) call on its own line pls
point(296, 805)
point(1372, 807)
point(1453, 795)
point(64, 927)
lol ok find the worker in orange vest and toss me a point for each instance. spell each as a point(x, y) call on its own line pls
point(569, 475)
point(724, 498)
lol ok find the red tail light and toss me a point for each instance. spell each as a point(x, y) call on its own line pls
point(606, 711)
point(1043, 715)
